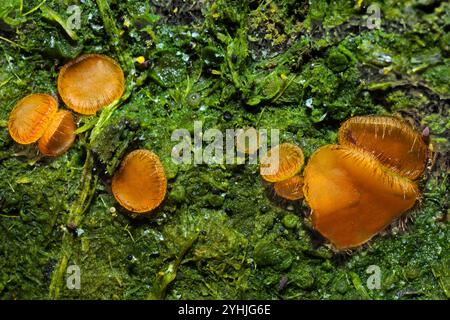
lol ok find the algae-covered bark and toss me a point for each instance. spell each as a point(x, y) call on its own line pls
point(299, 66)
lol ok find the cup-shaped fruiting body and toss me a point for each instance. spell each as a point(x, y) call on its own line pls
point(90, 82)
point(140, 183)
point(59, 136)
point(394, 142)
point(290, 189)
point(31, 117)
point(353, 196)
point(281, 162)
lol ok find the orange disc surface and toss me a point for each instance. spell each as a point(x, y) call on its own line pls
point(290, 189)
point(90, 82)
point(30, 117)
point(140, 183)
point(391, 140)
point(352, 196)
point(281, 162)
point(59, 136)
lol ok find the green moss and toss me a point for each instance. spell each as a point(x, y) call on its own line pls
point(329, 13)
point(268, 253)
point(290, 221)
point(439, 78)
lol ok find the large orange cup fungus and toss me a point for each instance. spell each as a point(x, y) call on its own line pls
point(290, 189)
point(90, 82)
point(31, 116)
point(59, 136)
point(282, 162)
point(392, 141)
point(358, 188)
point(352, 196)
point(140, 183)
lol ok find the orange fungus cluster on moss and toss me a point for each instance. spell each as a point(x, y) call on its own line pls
point(281, 165)
point(352, 196)
point(358, 188)
point(282, 162)
point(86, 84)
point(36, 118)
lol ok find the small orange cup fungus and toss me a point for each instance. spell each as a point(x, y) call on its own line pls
point(90, 82)
point(353, 196)
point(31, 117)
point(59, 136)
point(281, 162)
point(290, 189)
point(140, 183)
point(391, 140)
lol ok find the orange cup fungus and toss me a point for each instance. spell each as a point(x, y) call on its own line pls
point(352, 196)
point(59, 136)
point(395, 144)
point(140, 183)
point(90, 82)
point(358, 188)
point(282, 161)
point(31, 116)
point(36, 117)
point(290, 189)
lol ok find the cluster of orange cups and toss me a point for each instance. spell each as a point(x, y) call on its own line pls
point(358, 187)
point(287, 182)
point(36, 117)
point(355, 188)
point(86, 85)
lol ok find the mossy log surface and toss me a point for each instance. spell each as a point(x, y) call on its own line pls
point(302, 67)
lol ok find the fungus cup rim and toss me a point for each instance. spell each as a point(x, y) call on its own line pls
point(78, 107)
point(152, 157)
